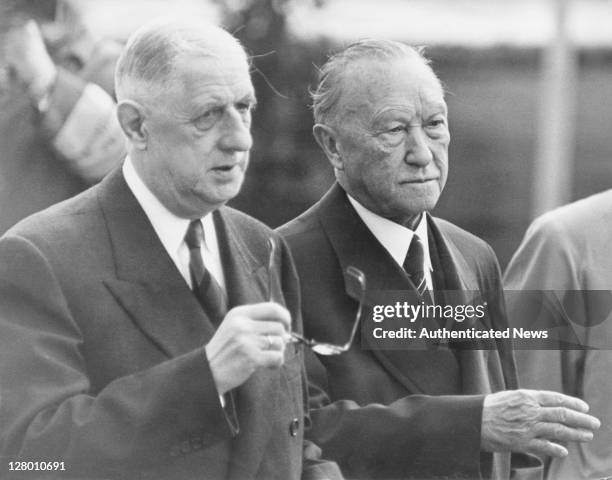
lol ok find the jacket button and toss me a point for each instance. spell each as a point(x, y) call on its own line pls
point(294, 427)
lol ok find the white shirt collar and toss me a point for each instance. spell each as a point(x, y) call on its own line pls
point(171, 229)
point(395, 238)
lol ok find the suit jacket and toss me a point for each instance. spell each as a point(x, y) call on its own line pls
point(568, 250)
point(102, 360)
point(396, 413)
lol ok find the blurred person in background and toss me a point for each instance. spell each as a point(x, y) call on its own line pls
point(568, 250)
point(58, 129)
point(443, 412)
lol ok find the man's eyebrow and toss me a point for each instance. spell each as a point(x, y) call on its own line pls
point(439, 107)
point(248, 97)
point(390, 109)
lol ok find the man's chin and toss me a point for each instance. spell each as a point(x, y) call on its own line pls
point(411, 209)
point(225, 193)
point(423, 199)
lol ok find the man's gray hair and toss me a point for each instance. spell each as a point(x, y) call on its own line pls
point(331, 75)
point(146, 66)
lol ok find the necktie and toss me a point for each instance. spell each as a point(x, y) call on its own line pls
point(205, 287)
point(414, 266)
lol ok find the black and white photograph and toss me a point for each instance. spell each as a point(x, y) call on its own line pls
point(305, 239)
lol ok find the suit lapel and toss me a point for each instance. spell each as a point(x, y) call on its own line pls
point(479, 364)
point(245, 275)
point(246, 281)
point(148, 285)
point(355, 245)
point(457, 273)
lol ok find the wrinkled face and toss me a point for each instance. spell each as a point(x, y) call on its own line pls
point(392, 137)
point(198, 135)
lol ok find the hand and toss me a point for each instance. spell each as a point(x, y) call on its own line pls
point(531, 421)
point(250, 337)
point(25, 53)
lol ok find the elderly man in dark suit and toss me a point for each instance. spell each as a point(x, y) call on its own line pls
point(443, 412)
point(136, 335)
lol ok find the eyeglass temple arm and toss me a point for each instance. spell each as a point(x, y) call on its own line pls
point(359, 276)
point(301, 339)
point(272, 249)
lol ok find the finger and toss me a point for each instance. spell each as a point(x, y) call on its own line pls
point(568, 417)
point(293, 338)
point(265, 327)
point(271, 342)
point(266, 311)
point(271, 359)
point(539, 446)
point(555, 399)
point(562, 433)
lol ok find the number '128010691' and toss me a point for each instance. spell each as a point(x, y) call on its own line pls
point(37, 466)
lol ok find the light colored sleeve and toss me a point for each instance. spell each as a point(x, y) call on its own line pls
point(553, 256)
point(90, 139)
point(545, 260)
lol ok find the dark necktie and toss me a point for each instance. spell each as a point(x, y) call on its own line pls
point(414, 267)
point(205, 287)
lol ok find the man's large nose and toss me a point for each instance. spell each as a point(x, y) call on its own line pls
point(418, 151)
point(237, 132)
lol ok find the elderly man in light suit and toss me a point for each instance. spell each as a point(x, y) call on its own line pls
point(136, 335)
point(381, 120)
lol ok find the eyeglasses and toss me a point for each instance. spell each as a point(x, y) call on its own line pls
point(358, 283)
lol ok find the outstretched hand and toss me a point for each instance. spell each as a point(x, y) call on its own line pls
point(535, 422)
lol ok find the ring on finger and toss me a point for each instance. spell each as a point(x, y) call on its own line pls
point(270, 341)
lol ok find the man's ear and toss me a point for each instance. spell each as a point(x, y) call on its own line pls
point(326, 138)
point(131, 117)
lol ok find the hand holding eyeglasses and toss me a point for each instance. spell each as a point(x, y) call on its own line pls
point(322, 348)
